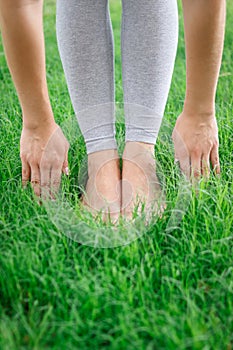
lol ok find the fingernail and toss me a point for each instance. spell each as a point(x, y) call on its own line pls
point(67, 171)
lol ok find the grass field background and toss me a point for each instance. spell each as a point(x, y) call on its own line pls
point(163, 291)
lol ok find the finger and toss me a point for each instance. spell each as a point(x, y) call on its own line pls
point(195, 165)
point(45, 180)
point(214, 158)
point(181, 153)
point(65, 167)
point(55, 181)
point(25, 173)
point(185, 166)
point(205, 165)
point(35, 179)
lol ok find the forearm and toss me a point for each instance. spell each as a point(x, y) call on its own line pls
point(22, 32)
point(204, 22)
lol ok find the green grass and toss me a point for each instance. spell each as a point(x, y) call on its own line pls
point(166, 290)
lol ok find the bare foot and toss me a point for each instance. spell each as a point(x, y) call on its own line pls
point(103, 188)
point(141, 189)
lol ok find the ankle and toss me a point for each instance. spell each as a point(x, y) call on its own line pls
point(133, 148)
point(100, 159)
point(146, 145)
point(103, 155)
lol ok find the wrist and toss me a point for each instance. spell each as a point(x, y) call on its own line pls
point(40, 122)
point(202, 109)
point(37, 118)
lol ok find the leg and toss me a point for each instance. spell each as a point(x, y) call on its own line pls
point(85, 42)
point(149, 41)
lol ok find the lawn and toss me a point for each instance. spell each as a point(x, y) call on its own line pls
point(172, 288)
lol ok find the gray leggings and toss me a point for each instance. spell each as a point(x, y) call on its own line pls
point(149, 34)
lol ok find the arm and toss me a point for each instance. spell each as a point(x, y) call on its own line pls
point(195, 134)
point(22, 32)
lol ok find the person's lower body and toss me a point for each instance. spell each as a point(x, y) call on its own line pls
point(149, 32)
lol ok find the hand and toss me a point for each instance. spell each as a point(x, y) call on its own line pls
point(44, 156)
point(196, 144)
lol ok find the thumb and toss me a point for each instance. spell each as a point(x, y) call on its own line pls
point(65, 167)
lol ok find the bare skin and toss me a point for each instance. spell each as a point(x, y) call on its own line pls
point(43, 147)
point(104, 191)
point(195, 135)
point(103, 188)
point(140, 184)
point(44, 156)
